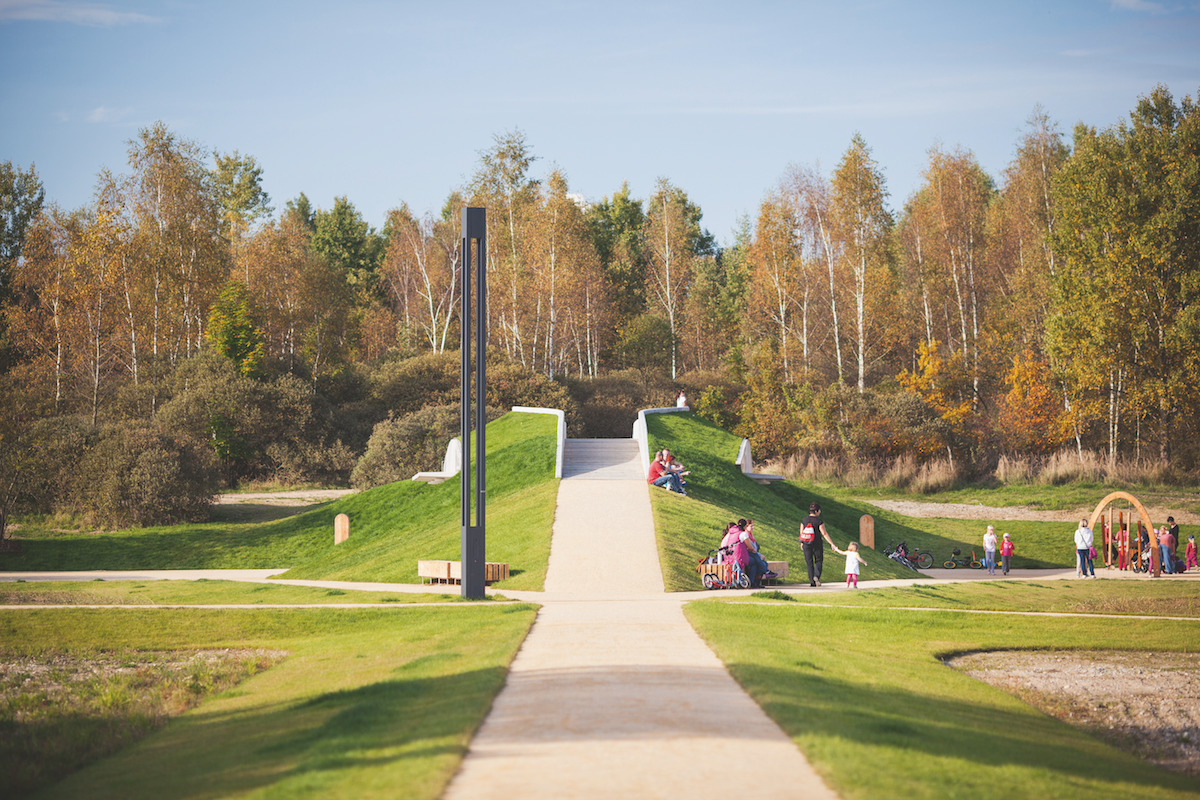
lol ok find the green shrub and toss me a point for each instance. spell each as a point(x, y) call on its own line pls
point(401, 447)
point(135, 475)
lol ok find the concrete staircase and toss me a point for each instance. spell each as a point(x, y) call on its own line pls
point(602, 460)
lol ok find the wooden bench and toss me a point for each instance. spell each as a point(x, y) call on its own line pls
point(451, 571)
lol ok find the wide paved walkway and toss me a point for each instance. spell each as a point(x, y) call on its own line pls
point(613, 694)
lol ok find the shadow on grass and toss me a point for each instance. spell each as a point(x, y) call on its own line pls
point(414, 730)
point(810, 703)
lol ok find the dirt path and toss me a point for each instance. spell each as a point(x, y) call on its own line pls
point(916, 508)
point(295, 497)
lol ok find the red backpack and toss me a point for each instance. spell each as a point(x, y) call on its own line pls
point(807, 534)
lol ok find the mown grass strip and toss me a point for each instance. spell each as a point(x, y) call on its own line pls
point(200, 592)
point(370, 703)
point(864, 692)
point(1149, 597)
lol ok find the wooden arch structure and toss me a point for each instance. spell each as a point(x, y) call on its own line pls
point(1143, 516)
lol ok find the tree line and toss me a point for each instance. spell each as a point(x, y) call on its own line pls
point(1051, 306)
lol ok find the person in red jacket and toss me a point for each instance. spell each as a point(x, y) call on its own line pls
point(660, 476)
point(1006, 551)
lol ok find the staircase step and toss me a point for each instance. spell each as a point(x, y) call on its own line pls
point(602, 459)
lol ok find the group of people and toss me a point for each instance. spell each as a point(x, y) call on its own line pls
point(1166, 540)
point(1007, 548)
point(740, 547)
point(666, 471)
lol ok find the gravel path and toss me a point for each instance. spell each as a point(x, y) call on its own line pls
point(916, 508)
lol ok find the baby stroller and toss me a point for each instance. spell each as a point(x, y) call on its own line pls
point(716, 573)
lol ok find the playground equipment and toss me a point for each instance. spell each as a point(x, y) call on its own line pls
point(1123, 540)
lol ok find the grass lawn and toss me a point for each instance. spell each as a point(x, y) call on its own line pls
point(201, 592)
point(718, 493)
point(1149, 597)
point(367, 703)
point(864, 692)
point(391, 527)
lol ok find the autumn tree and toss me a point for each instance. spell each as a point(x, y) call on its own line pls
point(1020, 227)
point(181, 258)
point(502, 183)
point(778, 293)
point(810, 195)
point(421, 272)
point(864, 224)
point(674, 239)
point(1127, 245)
point(958, 191)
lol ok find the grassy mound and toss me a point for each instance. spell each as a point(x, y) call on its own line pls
point(718, 492)
point(391, 527)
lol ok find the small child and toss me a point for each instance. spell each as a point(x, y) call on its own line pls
point(853, 560)
point(1006, 552)
point(1189, 555)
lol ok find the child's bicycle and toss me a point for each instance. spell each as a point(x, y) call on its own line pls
point(715, 574)
point(911, 559)
point(957, 559)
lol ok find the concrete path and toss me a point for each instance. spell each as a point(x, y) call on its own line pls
point(613, 694)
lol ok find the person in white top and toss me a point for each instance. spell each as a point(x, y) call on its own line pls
point(680, 399)
point(853, 560)
point(989, 550)
point(1083, 549)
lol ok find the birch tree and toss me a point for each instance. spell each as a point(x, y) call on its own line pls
point(864, 225)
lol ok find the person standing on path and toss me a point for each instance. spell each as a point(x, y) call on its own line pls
point(810, 542)
point(989, 550)
point(1006, 551)
point(1083, 550)
point(1166, 546)
point(1189, 555)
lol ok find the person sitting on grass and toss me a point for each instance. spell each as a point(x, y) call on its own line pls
point(660, 476)
point(672, 464)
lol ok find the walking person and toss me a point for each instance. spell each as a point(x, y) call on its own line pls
point(989, 550)
point(853, 560)
point(812, 531)
point(1083, 550)
point(1006, 551)
point(1189, 555)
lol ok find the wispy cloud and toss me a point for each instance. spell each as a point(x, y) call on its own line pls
point(94, 15)
point(1139, 5)
point(106, 114)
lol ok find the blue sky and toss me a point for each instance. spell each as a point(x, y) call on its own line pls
point(387, 102)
